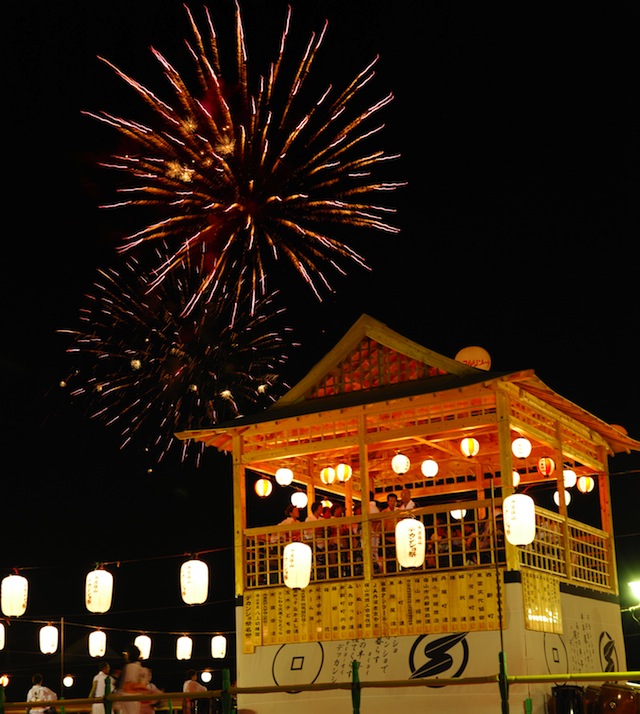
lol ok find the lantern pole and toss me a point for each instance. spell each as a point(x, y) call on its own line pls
point(62, 658)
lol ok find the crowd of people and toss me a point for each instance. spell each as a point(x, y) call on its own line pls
point(338, 546)
point(133, 677)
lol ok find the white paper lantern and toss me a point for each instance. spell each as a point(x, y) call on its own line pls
point(284, 476)
point(194, 582)
point(299, 499)
point(344, 472)
point(2, 640)
point(218, 646)
point(206, 676)
point(68, 680)
point(184, 647)
point(458, 513)
point(410, 542)
point(97, 643)
point(569, 478)
point(519, 519)
point(400, 464)
point(567, 498)
point(521, 447)
point(469, 446)
point(515, 477)
point(98, 590)
point(429, 468)
point(48, 639)
point(586, 484)
point(14, 594)
point(143, 643)
point(296, 565)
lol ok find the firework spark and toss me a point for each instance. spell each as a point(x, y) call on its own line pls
point(253, 176)
point(141, 367)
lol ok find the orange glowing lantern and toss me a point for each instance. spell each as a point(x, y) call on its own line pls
point(263, 487)
point(469, 446)
point(546, 466)
point(586, 484)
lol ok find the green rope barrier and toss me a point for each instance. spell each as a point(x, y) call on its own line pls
point(226, 697)
point(355, 686)
point(503, 683)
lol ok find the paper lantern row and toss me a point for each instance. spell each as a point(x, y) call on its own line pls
point(48, 638)
point(194, 588)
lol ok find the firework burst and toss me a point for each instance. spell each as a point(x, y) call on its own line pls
point(252, 176)
point(141, 367)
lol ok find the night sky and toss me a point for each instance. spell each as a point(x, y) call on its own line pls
point(519, 144)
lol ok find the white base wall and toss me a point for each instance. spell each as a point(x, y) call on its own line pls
point(591, 641)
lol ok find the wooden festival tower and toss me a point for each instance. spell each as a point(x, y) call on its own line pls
point(551, 607)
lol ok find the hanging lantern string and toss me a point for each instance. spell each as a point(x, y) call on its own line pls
point(206, 633)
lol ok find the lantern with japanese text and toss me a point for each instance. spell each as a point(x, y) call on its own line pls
point(97, 643)
point(98, 590)
point(14, 593)
point(400, 464)
point(410, 542)
point(296, 565)
point(519, 518)
point(48, 639)
point(218, 646)
point(194, 581)
point(521, 447)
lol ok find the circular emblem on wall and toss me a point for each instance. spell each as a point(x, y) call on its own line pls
point(297, 664)
point(555, 654)
point(608, 653)
point(435, 655)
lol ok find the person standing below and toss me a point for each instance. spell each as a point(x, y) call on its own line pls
point(191, 684)
point(132, 681)
point(40, 693)
point(103, 683)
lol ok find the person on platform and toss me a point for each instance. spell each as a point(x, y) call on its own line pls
point(406, 502)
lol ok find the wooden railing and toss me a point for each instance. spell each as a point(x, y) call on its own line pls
point(573, 551)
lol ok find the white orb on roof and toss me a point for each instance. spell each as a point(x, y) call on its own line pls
point(475, 356)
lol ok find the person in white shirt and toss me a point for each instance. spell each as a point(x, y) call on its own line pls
point(103, 683)
point(39, 693)
point(191, 684)
point(406, 502)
